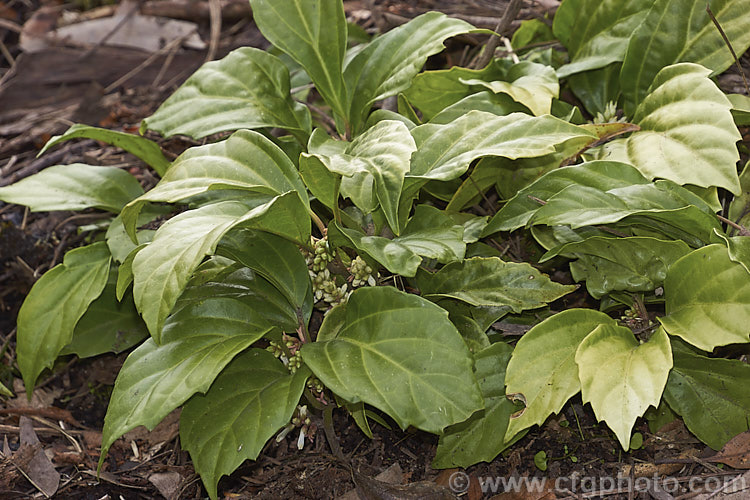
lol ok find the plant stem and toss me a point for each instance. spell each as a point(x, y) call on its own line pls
point(742, 229)
point(511, 11)
point(336, 209)
point(330, 434)
point(318, 222)
point(726, 40)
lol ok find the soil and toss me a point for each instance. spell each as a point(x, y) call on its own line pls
point(41, 94)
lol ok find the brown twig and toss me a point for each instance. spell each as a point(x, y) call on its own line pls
point(214, 10)
point(117, 27)
point(742, 229)
point(10, 25)
point(511, 11)
point(43, 162)
point(328, 123)
point(130, 74)
point(626, 129)
point(165, 66)
point(10, 73)
point(538, 200)
point(6, 54)
point(729, 44)
point(483, 195)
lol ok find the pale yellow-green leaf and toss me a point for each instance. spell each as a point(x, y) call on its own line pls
point(622, 378)
point(542, 369)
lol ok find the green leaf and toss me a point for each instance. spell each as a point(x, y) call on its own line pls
point(711, 396)
point(382, 152)
point(497, 104)
point(108, 325)
point(602, 175)
point(322, 181)
point(473, 225)
point(531, 31)
point(145, 149)
point(531, 84)
point(739, 207)
point(676, 31)
point(433, 234)
point(74, 187)
point(445, 151)
point(249, 401)
point(313, 33)
point(247, 160)
point(671, 209)
point(596, 32)
point(54, 305)
point(125, 272)
point(540, 460)
point(738, 248)
point(661, 415)
point(542, 370)
point(492, 282)
point(482, 437)
point(198, 341)
point(248, 88)
point(388, 64)
point(242, 284)
point(707, 299)
point(430, 233)
point(597, 88)
point(4, 391)
point(319, 180)
point(508, 176)
point(622, 378)
point(473, 333)
point(276, 259)
point(550, 237)
point(118, 240)
point(740, 109)
point(687, 131)
point(163, 268)
point(399, 353)
point(433, 91)
point(513, 175)
point(380, 115)
point(635, 264)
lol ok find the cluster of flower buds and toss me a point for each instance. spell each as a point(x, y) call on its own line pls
point(317, 389)
point(288, 353)
point(300, 419)
point(320, 256)
point(325, 288)
point(632, 319)
point(314, 384)
point(361, 273)
point(609, 115)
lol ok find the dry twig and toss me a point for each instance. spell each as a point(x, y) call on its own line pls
point(511, 11)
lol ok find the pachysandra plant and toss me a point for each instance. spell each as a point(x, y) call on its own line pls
point(365, 214)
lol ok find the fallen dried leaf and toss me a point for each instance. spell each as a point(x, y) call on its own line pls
point(166, 431)
point(474, 490)
point(392, 475)
point(38, 470)
point(372, 489)
point(168, 484)
point(524, 493)
point(736, 453)
point(649, 469)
